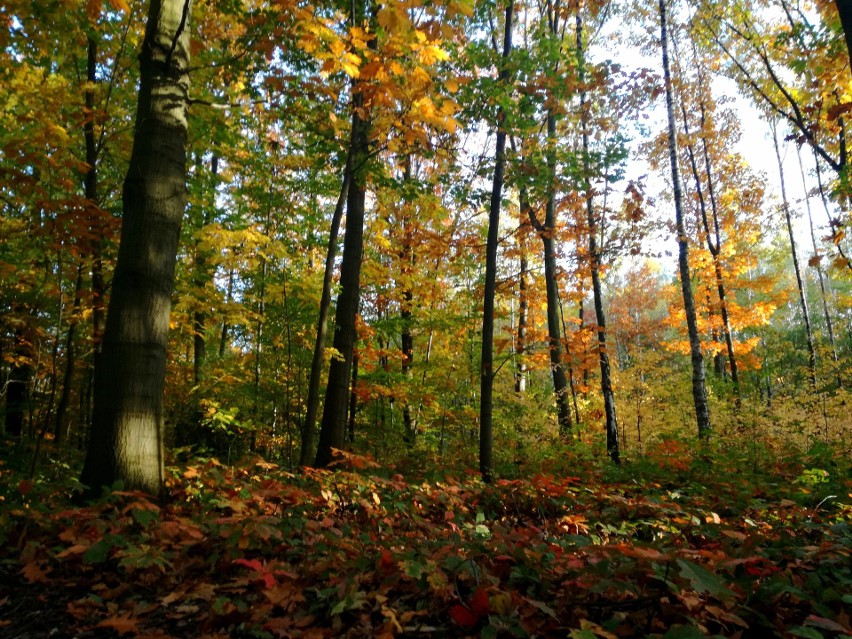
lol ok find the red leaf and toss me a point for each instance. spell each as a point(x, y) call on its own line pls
point(464, 617)
point(386, 562)
point(479, 603)
point(25, 486)
point(254, 564)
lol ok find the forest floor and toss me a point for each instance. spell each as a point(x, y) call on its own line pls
point(674, 545)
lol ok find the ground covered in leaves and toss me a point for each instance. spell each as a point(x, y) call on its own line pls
point(672, 546)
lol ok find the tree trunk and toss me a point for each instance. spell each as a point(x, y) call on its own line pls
point(229, 297)
point(306, 453)
point(713, 245)
point(127, 429)
point(486, 387)
point(18, 386)
point(333, 424)
point(803, 302)
point(844, 9)
point(353, 398)
point(408, 258)
point(554, 332)
point(523, 309)
point(829, 326)
point(60, 427)
point(699, 390)
point(595, 264)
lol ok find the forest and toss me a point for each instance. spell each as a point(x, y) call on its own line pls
point(425, 318)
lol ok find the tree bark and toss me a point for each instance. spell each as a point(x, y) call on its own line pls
point(803, 302)
point(523, 307)
point(407, 257)
point(554, 332)
point(844, 9)
point(829, 326)
point(699, 390)
point(306, 453)
point(486, 386)
point(713, 245)
point(126, 441)
point(333, 424)
point(595, 263)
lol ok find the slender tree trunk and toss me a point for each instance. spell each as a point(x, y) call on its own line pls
point(333, 424)
point(806, 316)
point(90, 187)
point(820, 275)
point(523, 309)
point(486, 406)
point(306, 453)
point(60, 427)
point(713, 245)
point(699, 390)
point(546, 232)
point(18, 385)
point(595, 262)
point(202, 276)
point(258, 344)
point(229, 297)
point(408, 258)
point(353, 398)
point(127, 428)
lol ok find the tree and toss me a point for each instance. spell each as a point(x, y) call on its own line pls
point(333, 425)
point(486, 389)
point(699, 391)
point(595, 259)
point(126, 441)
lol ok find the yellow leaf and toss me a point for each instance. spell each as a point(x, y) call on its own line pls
point(393, 20)
point(452, 86)
point(120, 5)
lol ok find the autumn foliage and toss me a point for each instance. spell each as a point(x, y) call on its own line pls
point(690, 546)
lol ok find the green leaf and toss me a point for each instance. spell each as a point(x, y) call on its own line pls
point(683, 632)
point(702, 580)
point(144, 517)
point(98, 552)
point(807, 633)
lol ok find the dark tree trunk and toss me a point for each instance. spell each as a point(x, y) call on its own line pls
point(714, 244)
point(554, 332)
point(333, 424)
point(408, 258)
point(595, 265)
point(306, 453)
point(699, 390)
point(844, 8)
point(18, 386)
point(127, 428)
point(60, 426)
point(229, 297)
point(202, 276)
point(353, 398)
point(486, 386)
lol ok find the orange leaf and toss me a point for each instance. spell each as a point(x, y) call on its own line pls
point(122, 624)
